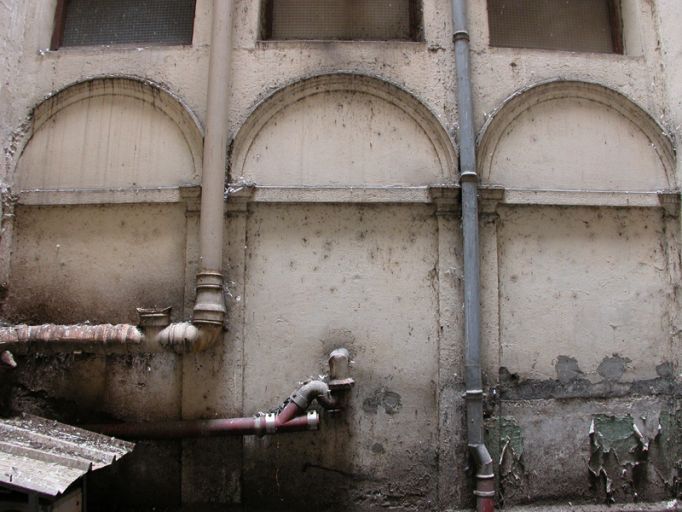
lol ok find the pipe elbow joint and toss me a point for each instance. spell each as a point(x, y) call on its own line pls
point(313, 390)
point(208, 335)
point(483, 460)
point(186, 337)
point(178, 337)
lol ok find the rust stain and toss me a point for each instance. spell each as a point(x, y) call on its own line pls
point(82, 333)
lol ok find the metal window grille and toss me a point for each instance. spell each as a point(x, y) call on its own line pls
point(105, 22)
point(573, 25)
point(341, 20)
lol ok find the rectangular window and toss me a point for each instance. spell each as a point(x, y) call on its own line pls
point(573, 25)
point(107, 22)
point(369, 20)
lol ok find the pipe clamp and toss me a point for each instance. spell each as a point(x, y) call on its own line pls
point(460, 35)
point(259, 426)
point(270, 423)
point(313, 420)
point(485, 494)
point(473, 394)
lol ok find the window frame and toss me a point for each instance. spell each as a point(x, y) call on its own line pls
point(615, 26)
point(415, 20)
point(57, 40)
point(58, 29)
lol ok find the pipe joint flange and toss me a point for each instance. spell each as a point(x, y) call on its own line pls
point(468, 176)
point(485, 476)
point(485, 494)
point(460, 35)
point(473, 394)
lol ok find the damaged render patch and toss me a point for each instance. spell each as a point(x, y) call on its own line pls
point(571, 382)
point(612, 368)
point(567, 369)
point(389, 400)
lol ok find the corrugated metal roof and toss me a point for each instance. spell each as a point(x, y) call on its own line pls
point(46, 456)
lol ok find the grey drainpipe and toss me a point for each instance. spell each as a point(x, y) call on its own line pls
point(485, 478)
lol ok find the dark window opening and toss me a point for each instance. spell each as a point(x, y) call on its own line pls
point(572, 25)
point(342, 20)
point(108, 22)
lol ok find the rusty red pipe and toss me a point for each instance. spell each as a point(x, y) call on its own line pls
point(185, 429)
point(74, 335)
point(292, 418)
point(485, 504)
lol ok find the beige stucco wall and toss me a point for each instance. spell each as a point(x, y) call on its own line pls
point(341, 244)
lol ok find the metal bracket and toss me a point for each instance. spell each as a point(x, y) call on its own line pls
point(270, 423)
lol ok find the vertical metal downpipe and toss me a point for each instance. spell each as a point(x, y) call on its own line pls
point(209, 309)
point(485, 479)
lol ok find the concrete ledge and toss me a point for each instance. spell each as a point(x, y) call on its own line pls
point(341, 194)
point(60, 197)
point(669, 199)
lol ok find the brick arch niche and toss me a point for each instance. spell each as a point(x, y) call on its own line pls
point(568, 135)
point(111, 133)
point(342, 130)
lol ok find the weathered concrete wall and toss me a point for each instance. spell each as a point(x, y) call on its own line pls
point(591, 284)
point(319, 277)
point(335, 240)
point(94, 263)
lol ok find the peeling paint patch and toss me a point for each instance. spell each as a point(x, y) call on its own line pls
point(504, 439)
point(617, 448)
point(667, 448)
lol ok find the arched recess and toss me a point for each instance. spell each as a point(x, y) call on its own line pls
point(343, 130)
point(111, 133)
point(567, 135)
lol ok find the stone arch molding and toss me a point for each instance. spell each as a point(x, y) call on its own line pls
point(342, 130)
point(567, 135)
point(111, 133)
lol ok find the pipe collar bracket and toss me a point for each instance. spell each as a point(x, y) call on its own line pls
point(270, 423)
point(485, 494)
point(460, 35)
point(313, 420)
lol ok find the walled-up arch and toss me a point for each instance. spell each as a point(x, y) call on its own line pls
point(343, 130)
point(111, 133)
point(567, 135)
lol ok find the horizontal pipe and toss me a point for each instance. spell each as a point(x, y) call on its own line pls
point(184, 429)
point(291, 418)
point(77, 336)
